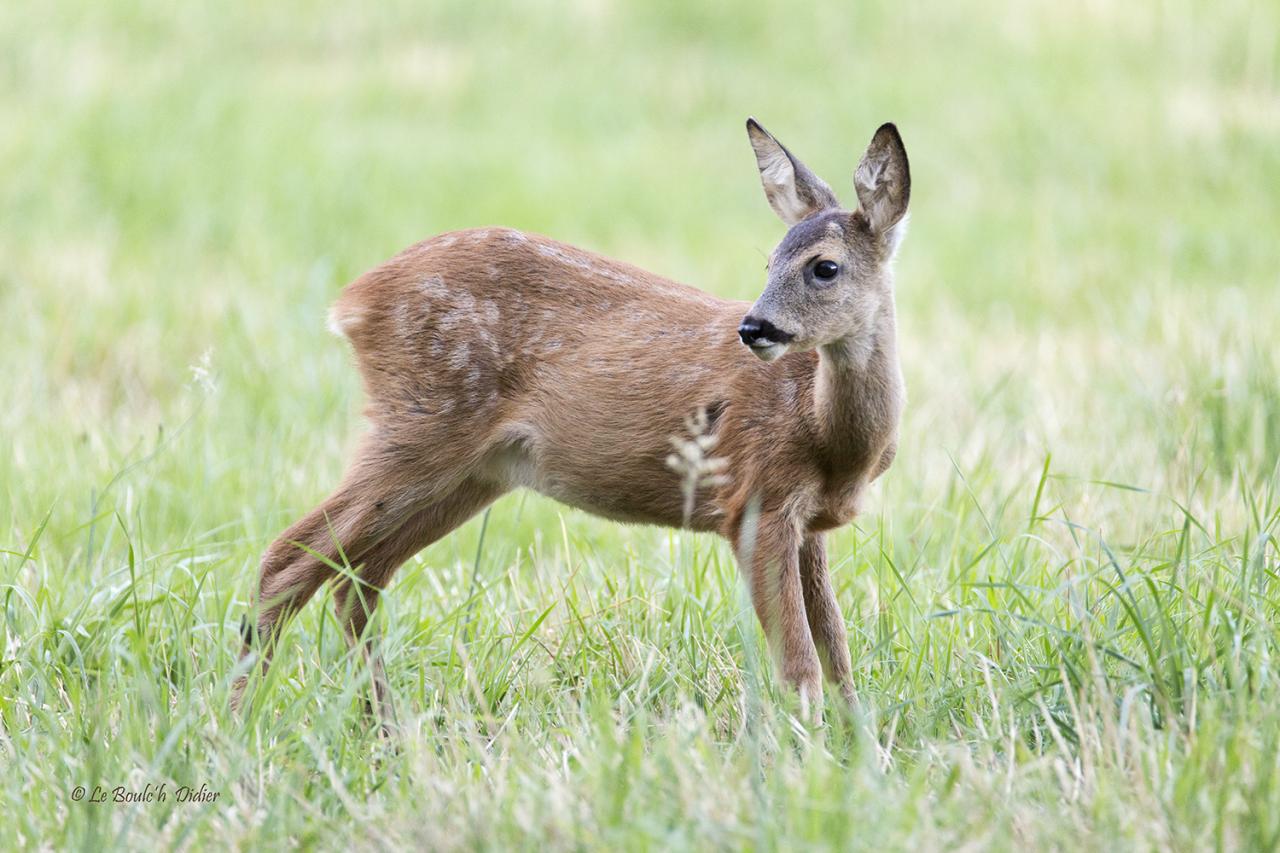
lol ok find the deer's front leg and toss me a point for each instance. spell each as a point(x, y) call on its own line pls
point(826, 623)
point(771, 560)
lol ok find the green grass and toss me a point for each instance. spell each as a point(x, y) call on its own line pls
point(1062, 600)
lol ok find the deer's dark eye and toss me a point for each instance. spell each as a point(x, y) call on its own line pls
point(825, 270)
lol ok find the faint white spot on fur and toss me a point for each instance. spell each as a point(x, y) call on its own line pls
point(612, 275)
point(437, 347)
point(530, 342)
point(554, 252)
point(480, 235)
point(581, 262)
point(404, 320)
point(789, 391)
point(487, 312)
point(454, 319)
point(552, 346)
point(473, 378)
point(486, 340)
point(445, 241)
point(446, 406)
point(461, 356)
point(433, 286)
point(693, 372)
point(513, 236)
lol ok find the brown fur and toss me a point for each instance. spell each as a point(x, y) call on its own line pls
point(494, 359)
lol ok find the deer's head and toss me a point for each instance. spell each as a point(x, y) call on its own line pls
point(830, 276)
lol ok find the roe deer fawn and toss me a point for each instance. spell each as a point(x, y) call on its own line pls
point(494, 359)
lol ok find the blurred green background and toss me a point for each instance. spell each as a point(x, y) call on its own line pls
point(1088, 291)
point(188, 178)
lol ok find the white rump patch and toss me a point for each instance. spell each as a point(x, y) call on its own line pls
point(343, 319)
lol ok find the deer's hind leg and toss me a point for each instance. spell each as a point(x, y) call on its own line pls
point(356, 596)
point(385, 486)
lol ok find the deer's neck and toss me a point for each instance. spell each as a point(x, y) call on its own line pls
point(859, 393)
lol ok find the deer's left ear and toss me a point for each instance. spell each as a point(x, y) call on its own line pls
point(793, 191)
point(883, 181)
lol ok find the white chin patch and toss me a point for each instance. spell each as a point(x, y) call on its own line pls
point(769, 352)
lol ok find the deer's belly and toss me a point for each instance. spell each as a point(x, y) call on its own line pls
point(633, 502)
point(637, 489)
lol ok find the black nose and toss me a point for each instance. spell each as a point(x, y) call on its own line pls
point(758, 332)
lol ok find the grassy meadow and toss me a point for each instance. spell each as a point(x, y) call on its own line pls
point(1062, 600)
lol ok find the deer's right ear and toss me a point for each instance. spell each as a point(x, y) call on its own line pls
point(793, 191)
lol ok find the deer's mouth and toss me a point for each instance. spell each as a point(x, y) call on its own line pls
point(766, 350)
point(763, 338)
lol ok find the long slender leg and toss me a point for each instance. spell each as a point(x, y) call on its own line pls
point(292, 570)
point(770, 557)
point(377, 496)
point(826, 623)
point(355, 599)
